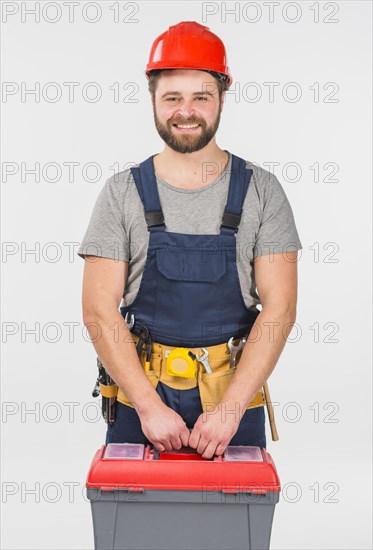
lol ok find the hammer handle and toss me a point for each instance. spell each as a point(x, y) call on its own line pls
point(271, 415)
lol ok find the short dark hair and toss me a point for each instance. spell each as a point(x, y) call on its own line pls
point(154, 77)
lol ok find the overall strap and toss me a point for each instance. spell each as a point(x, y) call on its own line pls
point(146, 184)
point(238, 185)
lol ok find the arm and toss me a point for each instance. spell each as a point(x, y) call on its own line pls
point(276, 279)
point(104, 281)
point(277, 287)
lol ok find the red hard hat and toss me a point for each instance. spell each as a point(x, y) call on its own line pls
point(189, 45)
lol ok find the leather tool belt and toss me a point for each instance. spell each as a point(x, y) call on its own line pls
point(211, 385)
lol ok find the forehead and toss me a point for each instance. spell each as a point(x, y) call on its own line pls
point(186, 81)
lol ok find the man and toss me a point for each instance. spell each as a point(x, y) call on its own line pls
point(190, 241)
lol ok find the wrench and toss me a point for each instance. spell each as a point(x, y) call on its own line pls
point(204, 360)
point(233, 350)
point(131, 322)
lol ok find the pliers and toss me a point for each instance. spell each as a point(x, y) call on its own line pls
point(145, 338)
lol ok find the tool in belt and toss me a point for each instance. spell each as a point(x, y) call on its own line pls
point(107, 386)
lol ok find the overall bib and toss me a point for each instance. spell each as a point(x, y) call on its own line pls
point(190, 296)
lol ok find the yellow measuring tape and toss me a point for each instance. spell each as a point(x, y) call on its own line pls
point(181, 362)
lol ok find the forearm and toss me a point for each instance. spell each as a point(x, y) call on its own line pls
point(114, 345)
point(259, 356)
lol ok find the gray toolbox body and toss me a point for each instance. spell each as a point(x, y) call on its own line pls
point(176, 504)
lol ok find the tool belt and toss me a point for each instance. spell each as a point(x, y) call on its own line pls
point(211, 385)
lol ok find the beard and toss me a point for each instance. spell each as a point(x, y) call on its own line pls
point(186, 143)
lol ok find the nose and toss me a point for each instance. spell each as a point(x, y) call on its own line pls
point(186, 110)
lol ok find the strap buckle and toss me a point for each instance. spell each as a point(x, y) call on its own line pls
point(231, 220)
point(154, 217)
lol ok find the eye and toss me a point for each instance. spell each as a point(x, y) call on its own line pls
point(203, 97)
point(171, 99)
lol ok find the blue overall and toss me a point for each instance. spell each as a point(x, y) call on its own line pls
point(190, 296)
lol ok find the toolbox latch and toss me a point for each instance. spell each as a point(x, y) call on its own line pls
point(130, 489)
point(249, 492)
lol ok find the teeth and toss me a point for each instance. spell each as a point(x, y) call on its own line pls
point(187, 125)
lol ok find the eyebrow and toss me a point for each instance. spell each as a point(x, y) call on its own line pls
point(195, 93)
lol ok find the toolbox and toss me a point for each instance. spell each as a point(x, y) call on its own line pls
point(142, 499)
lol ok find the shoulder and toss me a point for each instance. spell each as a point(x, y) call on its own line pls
point(261, 178)
point(119, 188)
point(120, 181)
point(264, 184)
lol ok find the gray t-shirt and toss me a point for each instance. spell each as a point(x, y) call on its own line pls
point(117, 228)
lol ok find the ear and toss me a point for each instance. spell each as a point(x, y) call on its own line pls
point(222, 101)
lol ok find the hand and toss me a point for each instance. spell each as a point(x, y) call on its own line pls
point(212, 433)
point(164, 428)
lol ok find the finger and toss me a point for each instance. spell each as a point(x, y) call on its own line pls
point(210, 450)
point(202, 444)
point(194, 437)
point(169, 446)
point(176, 443)
point(185, 438)
point(220, 449)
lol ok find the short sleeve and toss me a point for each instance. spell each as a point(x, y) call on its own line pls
point(277, 230)
point(105, 235)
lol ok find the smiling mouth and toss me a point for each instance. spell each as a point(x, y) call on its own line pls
point(186, 127)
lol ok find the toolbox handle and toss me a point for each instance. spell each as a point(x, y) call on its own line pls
point(185, 453)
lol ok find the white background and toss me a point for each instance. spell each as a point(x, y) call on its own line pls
point(327, 366)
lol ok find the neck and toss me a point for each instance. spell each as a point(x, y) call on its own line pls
point(191, 169)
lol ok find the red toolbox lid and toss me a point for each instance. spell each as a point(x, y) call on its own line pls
point(185, 470)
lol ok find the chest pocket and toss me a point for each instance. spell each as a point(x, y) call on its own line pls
point(191, 264)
